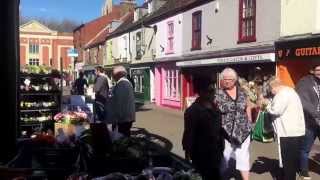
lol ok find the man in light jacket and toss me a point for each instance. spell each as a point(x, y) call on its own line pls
point(289, 126)
point(123, 101)
point(308, 89)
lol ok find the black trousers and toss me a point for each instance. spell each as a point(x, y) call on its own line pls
point(124, 128)
point(290, 153)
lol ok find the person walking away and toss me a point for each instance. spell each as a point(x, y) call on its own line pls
point(233, 104)
point(202, 140)
point(101, 90)
point(80, 84)
point(123, 102)
point(308, 89)
point(289, 126)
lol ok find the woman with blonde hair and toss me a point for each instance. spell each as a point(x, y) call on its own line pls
point(289, 126)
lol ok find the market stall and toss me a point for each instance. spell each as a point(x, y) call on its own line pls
point(39, 100)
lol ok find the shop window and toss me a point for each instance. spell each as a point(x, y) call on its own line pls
point(170, 36)
point(172, 84)
point(247, 21)
point(138, 45)
point(34, 62)
point(139, 83)
point(34, 48)
point(196, 30)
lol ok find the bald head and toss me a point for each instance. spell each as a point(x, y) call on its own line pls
point(119, 72)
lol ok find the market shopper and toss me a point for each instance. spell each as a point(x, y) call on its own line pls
point(123, 102)
point(101, 90)
point(308, 89)
point(289, 126)
point(233, 105)
point(202, 139)
point(80, 84)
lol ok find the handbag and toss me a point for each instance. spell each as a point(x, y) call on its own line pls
point(261, 131)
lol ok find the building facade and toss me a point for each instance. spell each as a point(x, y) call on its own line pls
point(40, 45)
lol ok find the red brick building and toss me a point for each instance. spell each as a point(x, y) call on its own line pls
point(40, 45)
point(86, 35)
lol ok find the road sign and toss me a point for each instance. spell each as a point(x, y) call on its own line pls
point(72, 52)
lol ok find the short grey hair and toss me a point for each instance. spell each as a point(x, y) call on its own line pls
point(119, 69)
point(229, 71)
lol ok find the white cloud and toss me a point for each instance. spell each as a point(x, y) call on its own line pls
point(43, 9)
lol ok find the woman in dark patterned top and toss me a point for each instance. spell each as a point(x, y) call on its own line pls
point(231, 101)
point(202, 139)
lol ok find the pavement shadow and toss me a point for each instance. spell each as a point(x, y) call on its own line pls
point(314, 164)
point(266, 165)
point(154, 138)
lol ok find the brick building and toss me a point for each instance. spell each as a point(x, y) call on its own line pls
point(40, 45)
point(86, 35)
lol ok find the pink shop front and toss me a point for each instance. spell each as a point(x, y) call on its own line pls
point(168, 81)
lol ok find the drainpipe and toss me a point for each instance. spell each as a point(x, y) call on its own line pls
point(129, 43)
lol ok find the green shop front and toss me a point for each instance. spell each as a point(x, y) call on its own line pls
point(141, 79)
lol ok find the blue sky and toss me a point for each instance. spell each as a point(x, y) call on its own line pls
point(78, 10)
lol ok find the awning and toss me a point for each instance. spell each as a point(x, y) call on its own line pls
point(255, 58)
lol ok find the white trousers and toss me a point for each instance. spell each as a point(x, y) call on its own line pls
point(239, 153)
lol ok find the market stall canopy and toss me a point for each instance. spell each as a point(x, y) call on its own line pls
point(255, 58)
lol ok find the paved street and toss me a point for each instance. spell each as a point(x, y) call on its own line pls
point(169, 124)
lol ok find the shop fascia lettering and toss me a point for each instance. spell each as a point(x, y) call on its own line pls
point(309, 51)
point(224, 60)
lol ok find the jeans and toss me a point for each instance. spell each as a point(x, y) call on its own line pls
point(308, 140)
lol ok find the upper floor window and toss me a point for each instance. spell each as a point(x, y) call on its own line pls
point(34, 48)
point(170, 35)
point(247, 21)
point(138, 45)
point(196, 30)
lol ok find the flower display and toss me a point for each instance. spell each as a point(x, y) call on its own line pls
point(71, 117)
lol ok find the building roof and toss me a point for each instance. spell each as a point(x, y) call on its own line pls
point(103, 34)
point(170, 8)
point(92, 28)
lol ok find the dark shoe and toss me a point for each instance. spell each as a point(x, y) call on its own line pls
point(304, 175)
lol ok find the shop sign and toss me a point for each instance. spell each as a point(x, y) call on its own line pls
point(298, 52)
point(229, 60)
point(136, 72)
point(298, 49)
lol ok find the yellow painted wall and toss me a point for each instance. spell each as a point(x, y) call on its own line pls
point(298, 16)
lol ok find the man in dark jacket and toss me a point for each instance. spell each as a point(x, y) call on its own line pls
point(123, 102)
point(101, 89)
point(308, 89)
point(202, 139)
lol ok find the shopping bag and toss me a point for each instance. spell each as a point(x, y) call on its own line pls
point(259, 133)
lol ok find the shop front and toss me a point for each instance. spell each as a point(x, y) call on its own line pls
point(251, 68)
point(168, 81)
point(141, 79)
point(295, 57)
